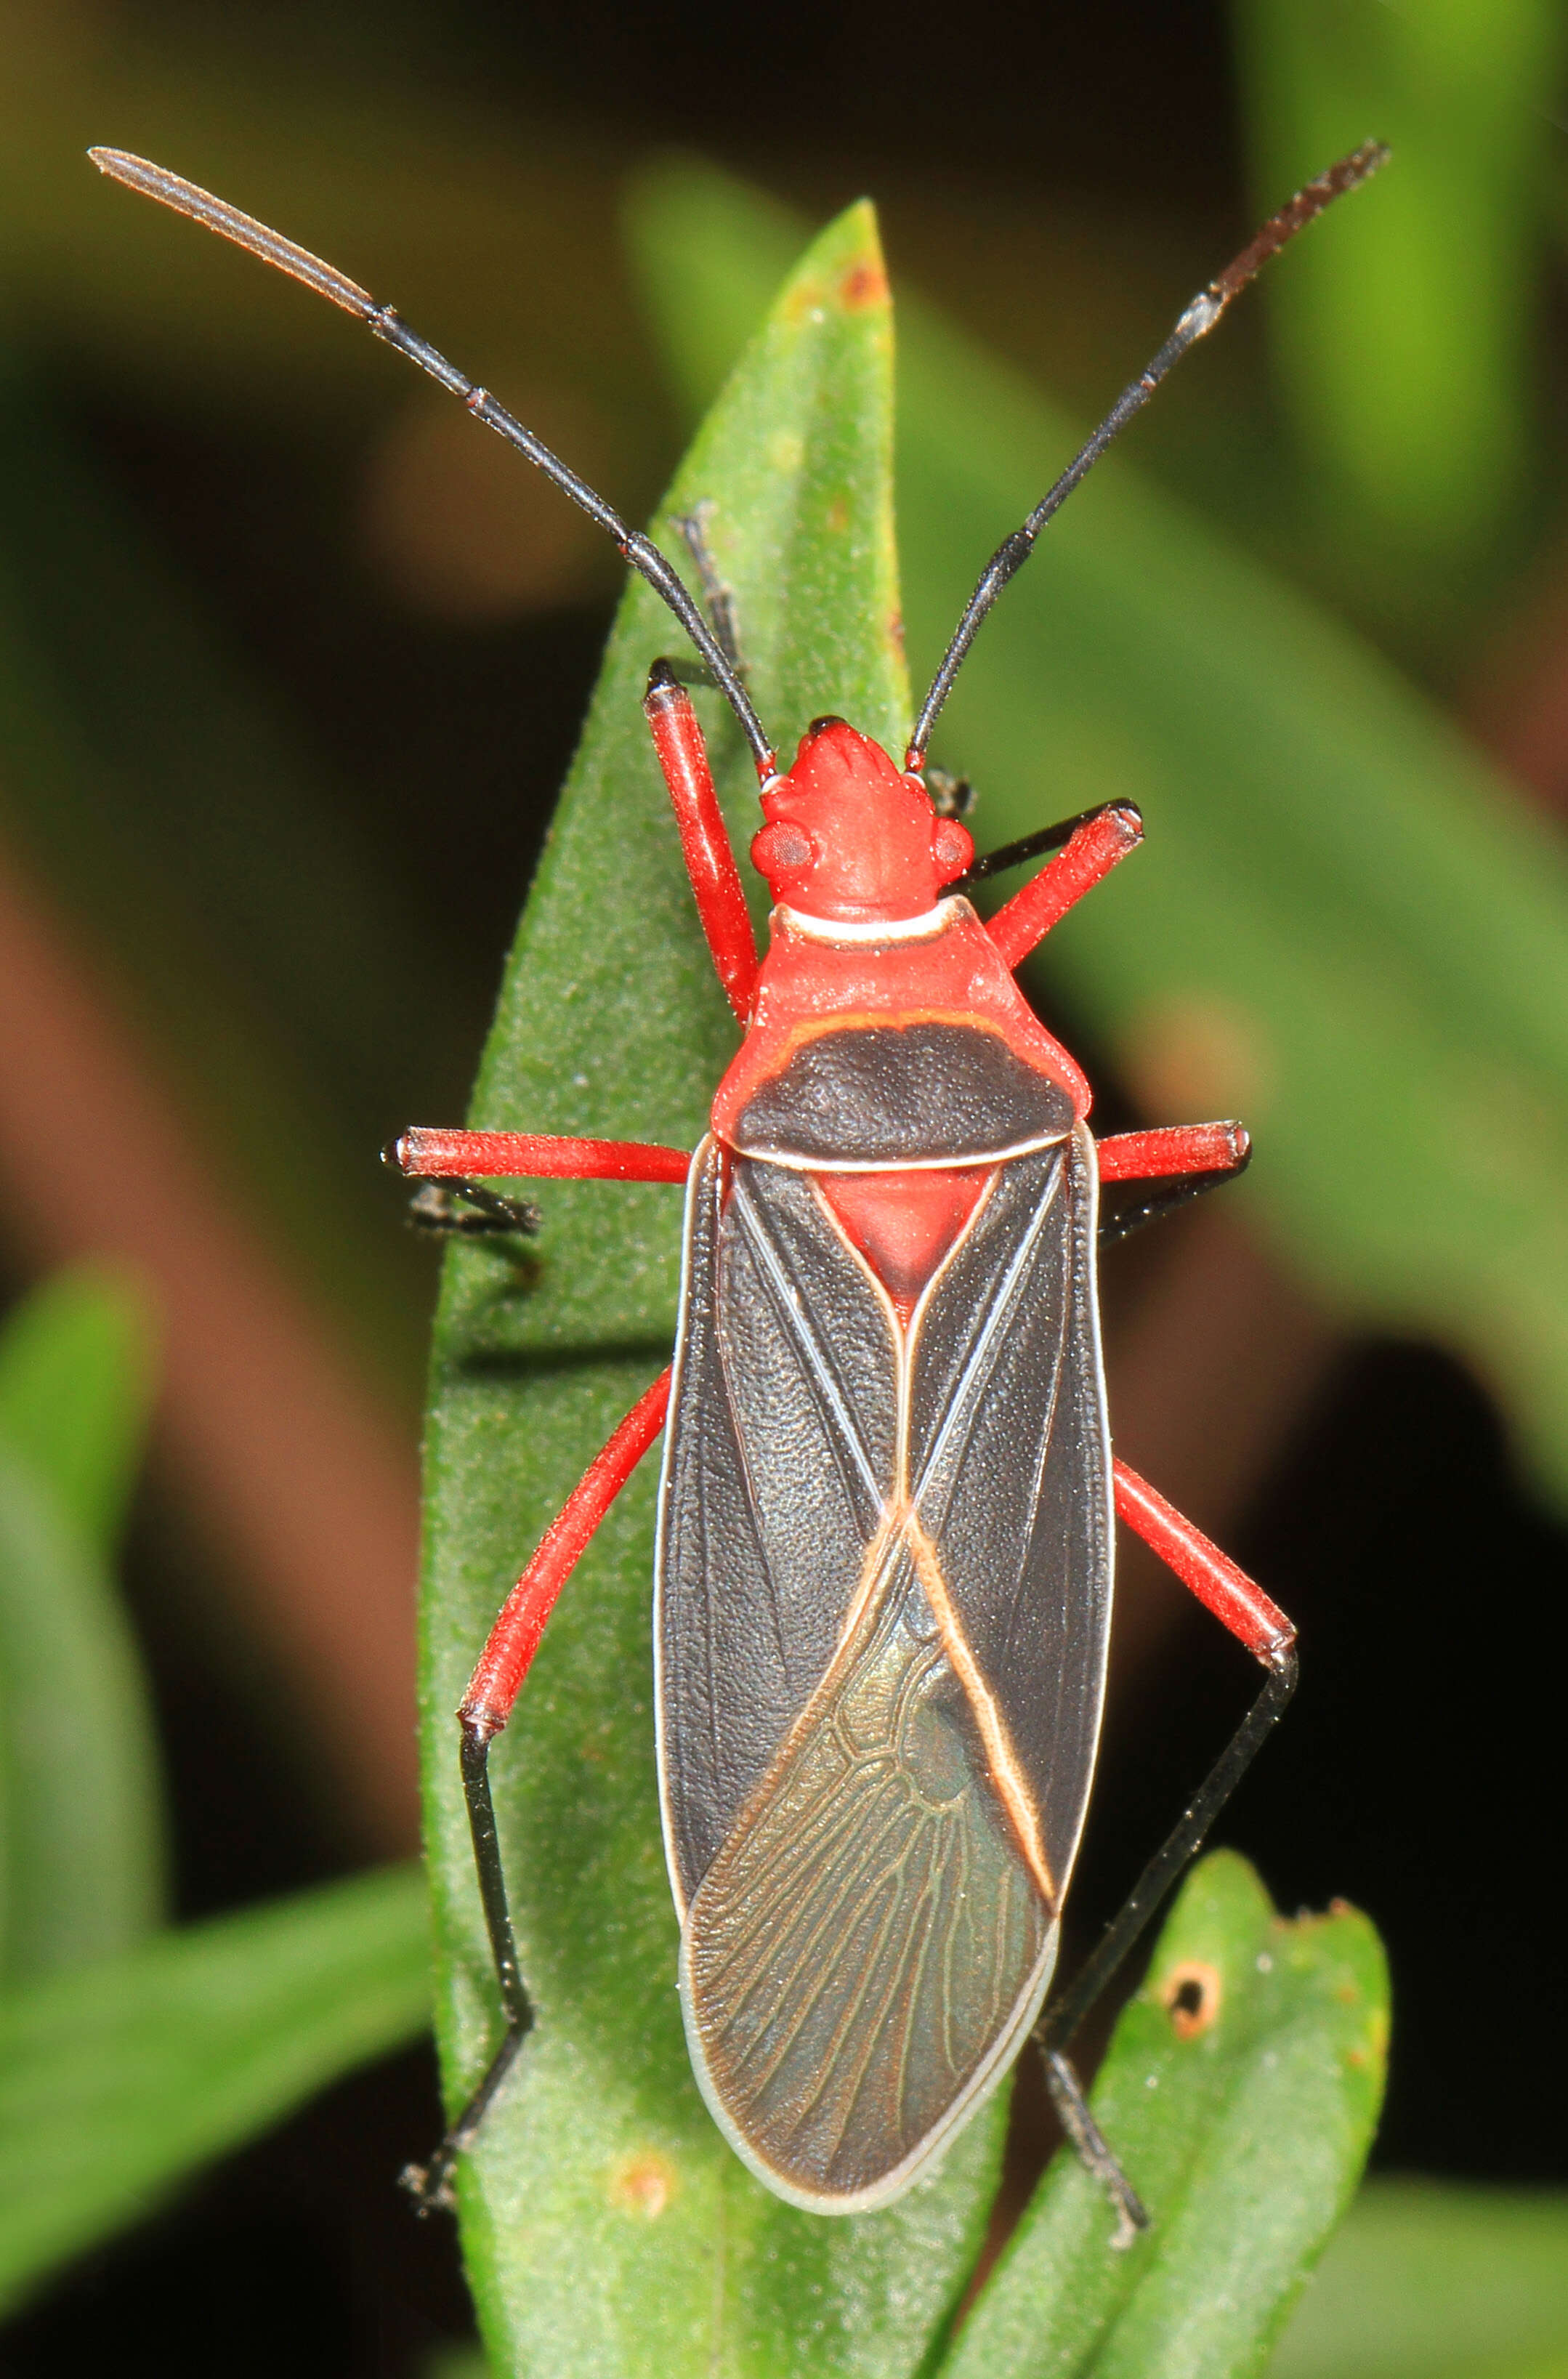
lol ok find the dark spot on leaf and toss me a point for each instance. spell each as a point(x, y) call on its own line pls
point(1191, 1996)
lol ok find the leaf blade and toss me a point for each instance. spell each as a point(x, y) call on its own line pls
point(82, 1857)
point(76, 1374)
point(599, 2155)
point(1245, 2140)
point(119, 2080)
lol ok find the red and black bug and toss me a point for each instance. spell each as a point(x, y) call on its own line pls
point(888, 1509)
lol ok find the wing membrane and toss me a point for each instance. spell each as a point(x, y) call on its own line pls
point(867, 1947)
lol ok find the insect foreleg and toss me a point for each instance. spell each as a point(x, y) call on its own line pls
point(453, 1202)
point(1106, 837)
point(427, 1154)
point(1008, 854)
point(492, 1691)
point(704, 839)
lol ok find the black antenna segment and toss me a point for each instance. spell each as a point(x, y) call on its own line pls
point(640, 551)
point(1195, 324)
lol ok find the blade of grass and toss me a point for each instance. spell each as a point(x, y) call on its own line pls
point(600, 2158)
point(119, 2082)
point(82, 1856)
point(1244, 2128)
point(1341, 927)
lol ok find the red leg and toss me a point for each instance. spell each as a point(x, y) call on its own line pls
point(426, 1155)
point(1094, 849)
point(1206, 1572)
point(1267, 1635)
point(487, 1704)
point(514, 1639)
point(705, 839)
point(1183, 1148)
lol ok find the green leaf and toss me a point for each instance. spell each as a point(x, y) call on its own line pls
point(1341, 927)
point(1428, 2280)
point(119, 2082)
point(1404, 330)
point(82, 1827)
point(607, 2227)
point(76, 1393)
point(1245, 2140)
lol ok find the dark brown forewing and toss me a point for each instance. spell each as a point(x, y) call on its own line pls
point(1009, 1458)
point(778, 1458)
point(865, 1941)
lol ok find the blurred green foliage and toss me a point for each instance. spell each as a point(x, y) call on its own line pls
point(131, 2056)
point(1406, 333)
point(80, 1813)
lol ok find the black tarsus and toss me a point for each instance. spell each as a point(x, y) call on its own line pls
point(1195, 322)
point(385, 323)
point(1093, 2150)
point(430, 2184)
point(717, 594)
point(432, 1209)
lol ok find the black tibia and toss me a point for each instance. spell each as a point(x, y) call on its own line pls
point(1156, 1198)
point(1031, 846)
point(1093, 2150)
point(1181, 1845)
point(718, 595)
point(434, 1207)
point(430, 2184)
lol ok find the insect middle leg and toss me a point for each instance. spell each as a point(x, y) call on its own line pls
point(1180, 1162)
point(492, 1691)
point(447, 1161)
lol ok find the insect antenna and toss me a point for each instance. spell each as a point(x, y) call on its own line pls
point(1197, 320)
point(639, 551)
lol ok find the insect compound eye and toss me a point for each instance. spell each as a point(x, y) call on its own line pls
point(952, 849)
point(782, 848)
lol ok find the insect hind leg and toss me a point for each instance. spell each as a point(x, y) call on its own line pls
point(1093, 2149)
